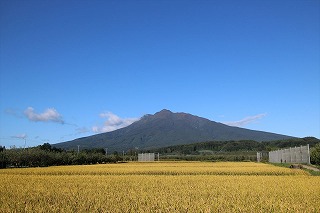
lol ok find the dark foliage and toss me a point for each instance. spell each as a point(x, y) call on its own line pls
point(3, 159)
point(217, 147)
point(46, 155)
point(222, 157)
point(315, 154)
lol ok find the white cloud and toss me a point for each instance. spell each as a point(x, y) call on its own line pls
point(20, 136)
point(245, 121)
point(49, 114)
point(113, 122)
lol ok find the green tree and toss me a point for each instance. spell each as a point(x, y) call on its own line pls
point(315, 154)
point(45, 146)
point(3, 158)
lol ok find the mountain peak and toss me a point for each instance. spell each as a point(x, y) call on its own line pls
point(164, 112)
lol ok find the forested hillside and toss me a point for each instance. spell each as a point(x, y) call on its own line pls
point(233, 146)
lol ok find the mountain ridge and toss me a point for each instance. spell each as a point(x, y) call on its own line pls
point(165, 128)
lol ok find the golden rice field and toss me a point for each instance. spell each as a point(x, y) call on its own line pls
point(160, 187)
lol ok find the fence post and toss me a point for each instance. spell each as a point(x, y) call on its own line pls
point(309, 162)
point(301, 160)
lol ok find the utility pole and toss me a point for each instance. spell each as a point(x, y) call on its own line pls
point(78, 148)
point(106, 151)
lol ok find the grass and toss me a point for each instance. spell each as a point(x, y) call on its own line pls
point(287, 165)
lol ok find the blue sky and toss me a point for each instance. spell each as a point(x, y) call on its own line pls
point(70, 69)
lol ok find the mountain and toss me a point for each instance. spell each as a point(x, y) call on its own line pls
point(166, 128)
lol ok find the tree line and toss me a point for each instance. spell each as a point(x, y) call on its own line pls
point(233, 157)
point(244, 150)
point(46, 155)
point(236, 146)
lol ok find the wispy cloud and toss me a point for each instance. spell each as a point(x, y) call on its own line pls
point(14, 112)
point(20, 136)
point(113, 122)
point(49, 115)
point(245, 121)
point(82, 130)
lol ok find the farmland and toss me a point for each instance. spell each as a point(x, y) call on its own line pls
point(159, 187)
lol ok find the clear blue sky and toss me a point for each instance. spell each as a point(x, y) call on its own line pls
point(70, 69)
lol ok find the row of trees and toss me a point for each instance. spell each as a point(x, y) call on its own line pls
point(315, 154)
point(236, 146)
point(236, 150)
point(46, 155)
point(229, 157)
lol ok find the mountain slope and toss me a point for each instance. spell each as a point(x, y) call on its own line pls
point(165, 128)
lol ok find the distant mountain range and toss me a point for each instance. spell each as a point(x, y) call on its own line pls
point(166, 128)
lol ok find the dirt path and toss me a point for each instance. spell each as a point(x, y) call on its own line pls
point(310, 168)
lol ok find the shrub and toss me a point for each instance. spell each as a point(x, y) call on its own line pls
point(315, 154)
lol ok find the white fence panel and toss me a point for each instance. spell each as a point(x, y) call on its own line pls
point(146, 157)
point(292, 155)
